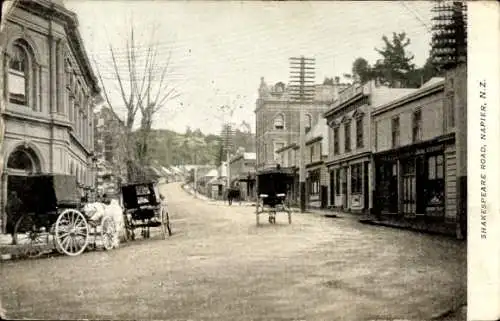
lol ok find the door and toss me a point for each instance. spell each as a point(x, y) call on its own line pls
point(386, 187)
point(421, 184)
point(332, 188)
point(324, 196)
point(16, 189)
point(344, 188)
point(409, 187)
point(366, 189)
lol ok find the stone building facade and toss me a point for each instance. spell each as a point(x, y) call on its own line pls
point(277, 118)
point(49, 91)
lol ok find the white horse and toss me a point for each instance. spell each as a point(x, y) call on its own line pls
point(97, 210)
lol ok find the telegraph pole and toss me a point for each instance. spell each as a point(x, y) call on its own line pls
point(449, 52)
point(227, 133)
point(302, 90)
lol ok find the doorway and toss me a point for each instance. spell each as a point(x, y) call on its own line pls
point(366, 189)
point(21, 163)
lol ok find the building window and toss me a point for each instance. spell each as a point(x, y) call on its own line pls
point(356, 177)
point(417, 125)
point(435, 185)
point(308, 124)
point(314, 180)
point(395, 132)
point(336, 141)
point(311, 154)
point(337, 181)
point(436, 167)
point(359, 132)
point(19, 76)
point(279, 122)
point(347, 137)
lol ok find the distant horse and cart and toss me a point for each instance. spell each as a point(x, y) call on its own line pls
point(272, 188)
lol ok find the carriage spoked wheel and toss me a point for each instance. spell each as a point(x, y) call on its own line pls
point(29, 237)
point(71, 232)
point(108, 232)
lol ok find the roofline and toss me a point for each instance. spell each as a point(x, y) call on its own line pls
point(73, 33)
point(417, 94)
point(349, 101)
point(282, 149)
point(314, 140)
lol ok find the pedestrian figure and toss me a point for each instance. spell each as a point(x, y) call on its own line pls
point(13, 209)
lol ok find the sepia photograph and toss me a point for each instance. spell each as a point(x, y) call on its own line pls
point(236, 160)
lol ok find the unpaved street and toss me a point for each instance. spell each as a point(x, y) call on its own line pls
point(219, 266)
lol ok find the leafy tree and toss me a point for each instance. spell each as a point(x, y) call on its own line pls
point(328, 81)
point(395, 68)
point(361, 70)
point(396, 62)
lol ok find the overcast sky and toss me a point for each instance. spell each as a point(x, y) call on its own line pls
point(220, 50)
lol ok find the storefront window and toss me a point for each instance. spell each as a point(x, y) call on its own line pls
point(435, 186)
point(314, 179)
point(356, 179)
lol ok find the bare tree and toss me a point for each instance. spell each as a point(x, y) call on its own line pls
point(141, 78)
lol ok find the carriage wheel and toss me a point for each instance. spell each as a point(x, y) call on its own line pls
point(28, 236)
point(72, 232)
point(108, 232)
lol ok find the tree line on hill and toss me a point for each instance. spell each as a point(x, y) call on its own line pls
point(395, 68)
point(168, 147)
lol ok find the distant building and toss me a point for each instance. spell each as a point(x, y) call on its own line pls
point(349, 160)
point(110, 149)
point(316, 154)
point(242, 171)
point(277, 118)
point(50, 92)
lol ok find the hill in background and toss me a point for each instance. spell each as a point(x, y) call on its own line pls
point(193, 147)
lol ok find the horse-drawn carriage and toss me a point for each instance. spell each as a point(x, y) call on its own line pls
point(144, 208)
point(53, 218)
point(272, 187)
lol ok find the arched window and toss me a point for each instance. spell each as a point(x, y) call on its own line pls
point(308, 123)
point(279, 122)
point(20, 160)
point(19, 75)
point(23, 159)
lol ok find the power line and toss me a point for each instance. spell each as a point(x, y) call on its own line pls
point(416, 16)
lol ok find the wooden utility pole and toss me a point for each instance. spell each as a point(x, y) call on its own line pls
point(449, 53)
point(302, 90)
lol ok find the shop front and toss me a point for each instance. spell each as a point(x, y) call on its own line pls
point(412, 181)
point(349, 184)
point(247, 186)
point(313, 188)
